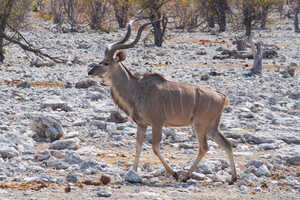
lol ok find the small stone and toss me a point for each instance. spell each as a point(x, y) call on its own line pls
point(257, 107)
point(266, 147)
point(205, 77)
point(103, 192)
point(292, 64)
point(2, 177)
point(263, 171)
point(72, 157)
point(246, 116)
point(98, 124)
point(116, 117)
point(85, 84)
point(95, 164)
point(68, 85)
point(132, 177)
point(255, 163)
point(186, 146)
point(72, 134)
point(72, 178)
point(7, 151)
point(291, 72)
point(72, 144)
point(47, 127)
point(198, 176)
point(297, 105)
point(57, 154)
point(291, 139)
point(251, 139)
point(105, 179)
point(95, 96)
point(295, 95)
point(244, 189)
point(43, 156)
point(294, 160)
point(201, 52)
point(57, 164)
point(24, 84)
point(56, 104)
point(47, 178)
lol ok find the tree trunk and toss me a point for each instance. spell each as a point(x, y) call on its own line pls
point(159, 26)
point(248, 18)
point(2, 29)
point(257, 64)
point(240, 43)
point(296, 23)
point(4, 15)
point(222, 22)
point(121, 13)
point(296, 20)
point(221, 8)
point(264, 16)
point(211, 20)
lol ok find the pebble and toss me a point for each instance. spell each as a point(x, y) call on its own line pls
point(132, 177)
point(7, 151)
point(24, 84)
point(72, 157)
point(103, 192)
point(43, 155)
point(85, 84)
point(57, 164)
point(72, 178)
point(291, 139)
point(72, 144)
point(294, 160)
point(56, 104)
point(47, 127)
point(251, 139)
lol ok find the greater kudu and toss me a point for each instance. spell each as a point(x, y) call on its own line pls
point(152, 100)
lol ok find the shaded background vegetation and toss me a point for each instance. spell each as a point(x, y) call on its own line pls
point(109, 15)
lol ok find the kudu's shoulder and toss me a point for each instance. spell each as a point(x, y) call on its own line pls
point(152, 78)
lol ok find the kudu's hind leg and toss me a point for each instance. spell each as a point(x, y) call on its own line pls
point(218, 137)
point(156, 138)
point(201, 133)
point(140, 137)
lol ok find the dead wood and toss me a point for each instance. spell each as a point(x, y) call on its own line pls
point(28, 47)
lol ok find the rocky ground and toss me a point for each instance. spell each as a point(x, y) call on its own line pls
point(60, 137)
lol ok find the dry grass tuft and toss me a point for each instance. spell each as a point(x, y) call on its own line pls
point(35, 84)
point(30, 185)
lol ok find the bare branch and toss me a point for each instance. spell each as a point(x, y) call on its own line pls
point(29, 47)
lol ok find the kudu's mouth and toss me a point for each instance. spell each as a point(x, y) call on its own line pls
point(105, 84)
point(102, 77)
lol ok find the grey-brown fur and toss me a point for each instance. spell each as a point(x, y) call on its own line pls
point(152, 100)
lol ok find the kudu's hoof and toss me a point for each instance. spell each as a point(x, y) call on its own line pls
point(176, 176)
point(185, 179)
point(181, 176)
point(233, 180)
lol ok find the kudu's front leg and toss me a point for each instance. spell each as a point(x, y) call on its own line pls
point(140, 137)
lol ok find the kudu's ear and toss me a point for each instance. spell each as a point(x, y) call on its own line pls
point(120, 56)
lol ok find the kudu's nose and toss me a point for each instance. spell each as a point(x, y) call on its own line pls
point(90, 72)
point(91, 69)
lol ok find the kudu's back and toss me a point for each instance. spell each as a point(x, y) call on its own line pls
point(176, 104)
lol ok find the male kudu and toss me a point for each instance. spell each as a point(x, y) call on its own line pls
point(152, 100)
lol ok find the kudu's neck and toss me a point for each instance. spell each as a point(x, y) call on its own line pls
point(124, 82)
